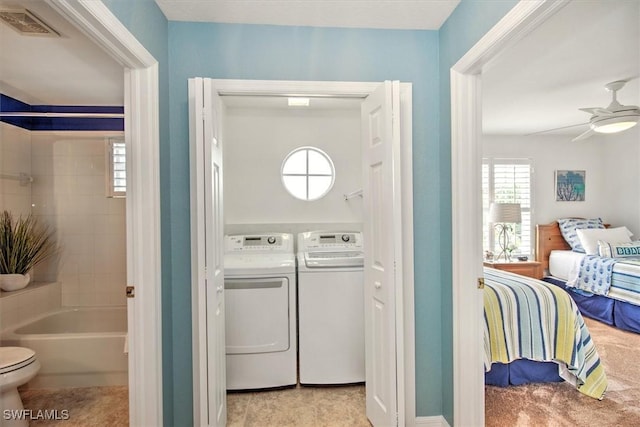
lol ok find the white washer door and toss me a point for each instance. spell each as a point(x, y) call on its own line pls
point(257, 315)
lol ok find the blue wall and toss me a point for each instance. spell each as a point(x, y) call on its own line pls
point(148, 24)
point(298, 53)
point(466, 25)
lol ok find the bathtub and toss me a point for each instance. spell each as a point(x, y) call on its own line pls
point(77, 347)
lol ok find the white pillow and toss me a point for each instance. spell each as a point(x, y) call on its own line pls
point(618, 250)
point(589, 237)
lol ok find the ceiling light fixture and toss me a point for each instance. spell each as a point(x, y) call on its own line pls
point(298, 102)
point(615, 124)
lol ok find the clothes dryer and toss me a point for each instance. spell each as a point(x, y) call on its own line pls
point(260, 311)
point(331, 308)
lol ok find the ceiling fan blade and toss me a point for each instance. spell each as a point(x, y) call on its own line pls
point(599, 111)
point(584, 135)
point(555, 129)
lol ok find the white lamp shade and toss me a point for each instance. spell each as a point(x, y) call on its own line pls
point(505, 212)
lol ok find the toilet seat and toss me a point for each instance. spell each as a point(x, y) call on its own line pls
point(14, 358)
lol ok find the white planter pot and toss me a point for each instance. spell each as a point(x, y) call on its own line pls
point(13, 282)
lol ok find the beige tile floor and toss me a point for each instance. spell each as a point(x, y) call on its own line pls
point(87, 406)
point(299, 407)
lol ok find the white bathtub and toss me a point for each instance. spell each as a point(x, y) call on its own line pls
point(77, 347)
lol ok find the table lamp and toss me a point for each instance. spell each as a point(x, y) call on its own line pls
point(502, 215)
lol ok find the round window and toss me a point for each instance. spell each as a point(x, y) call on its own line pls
point(308, 173)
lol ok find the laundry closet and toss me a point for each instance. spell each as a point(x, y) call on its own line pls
point(292, 184)
point(331, 181)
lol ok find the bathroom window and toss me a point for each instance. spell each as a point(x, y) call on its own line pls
point(116, 167)
point(308, 173)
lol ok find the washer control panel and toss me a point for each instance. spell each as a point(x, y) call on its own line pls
point(271, 242)
point(321, 240)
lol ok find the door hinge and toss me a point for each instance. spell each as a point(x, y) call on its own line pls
point(480, 282)
point(131, 291)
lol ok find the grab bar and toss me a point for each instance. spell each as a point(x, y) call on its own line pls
point(22, 177)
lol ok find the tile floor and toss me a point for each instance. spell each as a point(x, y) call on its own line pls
point(87, 406)
point(299, 407)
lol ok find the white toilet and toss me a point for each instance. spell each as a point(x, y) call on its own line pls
point(18, 365)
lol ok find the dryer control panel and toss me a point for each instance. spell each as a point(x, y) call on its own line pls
point(314, 241)
point(253, 243)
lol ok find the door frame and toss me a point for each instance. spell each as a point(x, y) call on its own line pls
point(144, 312)
point(466, 156)
point(405, 342)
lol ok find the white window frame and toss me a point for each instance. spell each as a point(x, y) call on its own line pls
point(489, 242)
point(308, 175)
point(111, 188)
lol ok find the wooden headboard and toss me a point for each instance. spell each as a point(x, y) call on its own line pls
point(548, 238)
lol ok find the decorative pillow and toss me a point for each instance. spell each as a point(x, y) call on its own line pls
point(618, 250)
point(568, 227)
point(589, 237)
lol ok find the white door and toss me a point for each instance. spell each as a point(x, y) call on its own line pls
point(207, 254)
point(382, 248)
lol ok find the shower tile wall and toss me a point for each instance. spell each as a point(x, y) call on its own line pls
point(15, 158)
point(69, 193)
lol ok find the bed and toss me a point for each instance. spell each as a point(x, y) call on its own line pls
point(535, 333)
point(619, 307)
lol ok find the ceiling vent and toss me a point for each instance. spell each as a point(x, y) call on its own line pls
point(27, 23)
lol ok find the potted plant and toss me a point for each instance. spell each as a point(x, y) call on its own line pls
point(23, 245)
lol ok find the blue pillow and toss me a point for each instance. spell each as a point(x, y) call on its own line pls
point(568, 227)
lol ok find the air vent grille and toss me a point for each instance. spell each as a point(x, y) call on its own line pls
point(26, 23)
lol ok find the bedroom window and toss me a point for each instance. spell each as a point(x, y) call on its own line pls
point(508, 181)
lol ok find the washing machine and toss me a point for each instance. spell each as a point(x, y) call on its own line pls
point(331, 308)
point(260, 305)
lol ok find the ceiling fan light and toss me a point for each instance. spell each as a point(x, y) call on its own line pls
point(615, 124)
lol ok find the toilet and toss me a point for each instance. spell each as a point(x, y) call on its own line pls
point(18, 365)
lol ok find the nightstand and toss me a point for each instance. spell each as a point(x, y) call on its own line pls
point(524, 268)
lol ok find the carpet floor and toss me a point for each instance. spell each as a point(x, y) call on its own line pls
point(560, 404)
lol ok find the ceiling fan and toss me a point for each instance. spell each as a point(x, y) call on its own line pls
point(615, 118)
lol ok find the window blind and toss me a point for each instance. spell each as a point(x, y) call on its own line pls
point(117, 157)
point(508, 181)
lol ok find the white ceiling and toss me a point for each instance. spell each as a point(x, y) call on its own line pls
point(65, 70)
point(538, 84)
point(388, 14)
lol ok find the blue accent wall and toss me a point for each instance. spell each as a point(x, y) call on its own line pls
point(234, 51)
point(227, 51)
point(471, 20)
point(145, 20)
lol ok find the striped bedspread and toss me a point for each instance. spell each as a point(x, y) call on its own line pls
point(625, 281)
point(525, 318)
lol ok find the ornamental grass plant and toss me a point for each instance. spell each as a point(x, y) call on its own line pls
point(24, 243)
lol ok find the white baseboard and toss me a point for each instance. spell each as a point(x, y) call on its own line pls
point(437, 421)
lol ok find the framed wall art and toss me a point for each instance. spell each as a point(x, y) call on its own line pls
point(570, 185)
